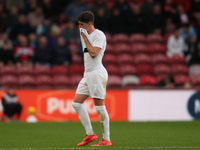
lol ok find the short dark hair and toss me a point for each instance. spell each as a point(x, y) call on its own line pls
point(86, 16)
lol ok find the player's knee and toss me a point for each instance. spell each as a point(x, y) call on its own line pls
point(76, 105)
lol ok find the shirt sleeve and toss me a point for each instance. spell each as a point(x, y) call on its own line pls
point(99, 40)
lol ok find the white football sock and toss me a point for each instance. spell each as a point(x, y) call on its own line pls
point(104, 121)
point(84, 117)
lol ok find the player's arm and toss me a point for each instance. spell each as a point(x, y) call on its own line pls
point(93, 51)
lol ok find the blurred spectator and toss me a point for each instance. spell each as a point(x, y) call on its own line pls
point(101, 20)
point(70, 33)
point(18, 3)
point(44, 28)
point(22, 27)
point(195, 5)
point(123, 7)
point(43, 53)
point(116, 22)
point(12, 17)
point(195, 59)
point(48, 9)
point(175, 44)
point(5, 39)
point(32, 40)
point(169, 7)
point(30, 6)
point(135, 21)
point(147, 7)
point(23, 52)
point(184, 3)
point(190, 46)
point(75, 8)
point(100, 4)
point(11, 104)
point(169, 26)
point(61, 53)
point(6, 55)
point(2, 19)
point(36, 17)
point(187, 31)
point(55, 33)
point(167, 82)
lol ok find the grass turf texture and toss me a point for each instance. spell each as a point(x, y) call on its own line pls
point(124, 135)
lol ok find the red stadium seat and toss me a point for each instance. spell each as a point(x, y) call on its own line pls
point(137, 38)
point(120, 38)
point(145, 69)
point(148, 80)
point(27, 81)
point(42, 70)
point(139, 48)
point(181, 79)
point(125, 59)
point(195, 80)
point(194, 70)
point(25, 70)
point(130, 81)
point(109, 49)
point(75, 79)
point(109, 59)
point(177, 59)
point(142, 59)
point(73, 48)
point(8, 70)
point(77, 59)
point(179, 69)
point(76, 69)
point(157, 48)
point(159, 78)
point(112, 69)
point(162, 69)
point(44, 81)
point(59, 70)
point(109, 38)
point(127, 69)
point(159, 58)
point(154, 38)
point(61, 81)
point(9, 80)
point(114, 81)
point(122, 48)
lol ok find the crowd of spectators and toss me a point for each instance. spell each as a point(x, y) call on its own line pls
point(35, 32)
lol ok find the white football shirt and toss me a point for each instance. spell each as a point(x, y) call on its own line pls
point(98, 39)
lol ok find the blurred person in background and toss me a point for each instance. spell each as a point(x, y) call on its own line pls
point(75, 8)
point(18, 3)
point(23, 52)
point(135, 21)
point(169, 8)
point(195, 5)
point(36, 17)
point(11, 104)
point(184, 3)
point(169, 26)
point(167, 82)
point(70, 33)
point(12, 17)
point(48, 8)
point(43, 53)
point(6, 55)
point(101, 20)
point(100, 4)
point(147, 7)
point(44, 28)
point(175, 44)
point(61, 53)
point(22, 27)
point(32, 39)
point(195, 59)
point(30, 6)
point(55, 33)
point(123, 7)
point(2, 19)
point(5, 39)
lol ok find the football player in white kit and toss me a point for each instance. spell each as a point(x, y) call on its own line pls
point(93, 84)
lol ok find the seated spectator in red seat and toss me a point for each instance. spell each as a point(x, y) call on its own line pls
point(175, 44)
point(70, 33)
point(101, 20)
point(195, 59)
point(195, 5)
point(12, 17)
point(5, 39)
point(32, 39)
point(100, 4)
point(123, 7)
point(6, 55)
point(11, 104)
point(61, 53)
point(2, 19)
point(43, 53)
point(36, 17)
point(135, 21)
point(167, 82)
point(23, 52)
point(22, 27)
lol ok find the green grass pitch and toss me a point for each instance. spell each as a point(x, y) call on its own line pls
point(124, 135)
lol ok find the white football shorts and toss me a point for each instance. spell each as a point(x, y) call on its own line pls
point(94, 84)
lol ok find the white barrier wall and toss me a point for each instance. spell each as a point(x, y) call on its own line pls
point(163, 105)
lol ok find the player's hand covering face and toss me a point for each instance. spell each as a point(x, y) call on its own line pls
point(84, 25)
